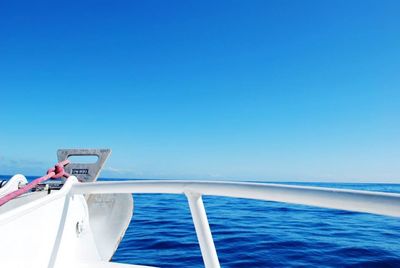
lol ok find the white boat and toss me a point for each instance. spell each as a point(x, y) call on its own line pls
point(79, 221)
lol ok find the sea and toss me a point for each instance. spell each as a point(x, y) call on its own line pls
point(251, 233)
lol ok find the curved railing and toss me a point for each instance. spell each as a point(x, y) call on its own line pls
point(387, 204)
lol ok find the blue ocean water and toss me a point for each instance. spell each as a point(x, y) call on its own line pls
point(261, 234)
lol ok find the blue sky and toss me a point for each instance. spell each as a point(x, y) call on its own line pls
point(274, 90)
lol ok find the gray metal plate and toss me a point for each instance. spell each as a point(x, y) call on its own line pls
point(85, 172)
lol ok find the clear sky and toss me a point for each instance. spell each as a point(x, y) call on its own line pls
point(274, 90)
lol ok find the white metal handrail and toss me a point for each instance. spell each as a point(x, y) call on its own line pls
point(351, 200)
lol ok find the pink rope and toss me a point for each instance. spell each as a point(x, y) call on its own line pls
point(53, 173)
